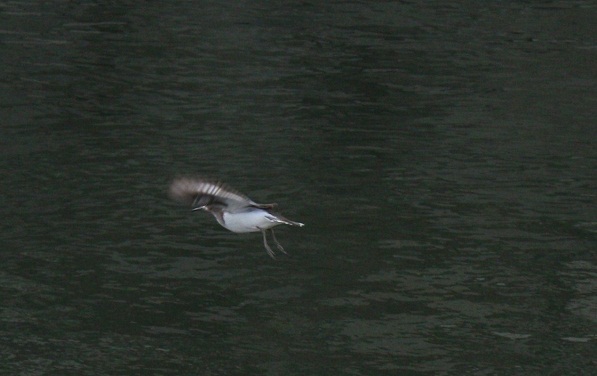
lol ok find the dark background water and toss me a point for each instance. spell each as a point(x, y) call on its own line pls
point(441, 154)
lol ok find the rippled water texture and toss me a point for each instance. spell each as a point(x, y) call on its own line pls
point(441, 154)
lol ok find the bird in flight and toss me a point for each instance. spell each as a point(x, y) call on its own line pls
point(232, 209)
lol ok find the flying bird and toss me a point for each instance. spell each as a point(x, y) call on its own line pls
point(232, 209)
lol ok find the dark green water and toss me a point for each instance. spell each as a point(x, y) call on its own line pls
point(442, 156)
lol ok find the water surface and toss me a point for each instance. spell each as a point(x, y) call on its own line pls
point(442, 157)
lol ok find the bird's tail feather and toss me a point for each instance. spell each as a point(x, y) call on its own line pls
point(286, 221)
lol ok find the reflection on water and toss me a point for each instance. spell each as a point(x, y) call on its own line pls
point(440, 157)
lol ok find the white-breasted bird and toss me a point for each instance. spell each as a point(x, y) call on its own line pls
point(233, 210)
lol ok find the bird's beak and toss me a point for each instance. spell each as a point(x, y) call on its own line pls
point(204, 207)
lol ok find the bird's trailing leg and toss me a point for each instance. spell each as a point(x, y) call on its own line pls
point(277, 242)
point(267, 247)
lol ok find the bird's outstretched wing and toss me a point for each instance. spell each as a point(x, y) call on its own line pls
point(200, 192)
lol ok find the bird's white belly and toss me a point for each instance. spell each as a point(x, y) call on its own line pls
point(250, 221)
